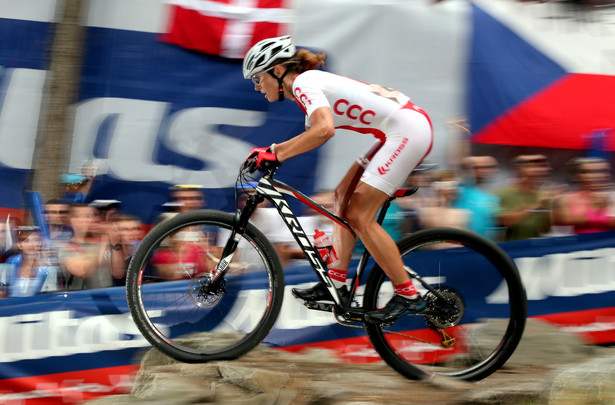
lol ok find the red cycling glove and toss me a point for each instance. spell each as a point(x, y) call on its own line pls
point(265, 158)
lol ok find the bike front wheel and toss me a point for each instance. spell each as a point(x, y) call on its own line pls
point(178, 305)
point(476, 307)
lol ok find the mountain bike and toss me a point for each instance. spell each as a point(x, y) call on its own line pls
point(208, 285)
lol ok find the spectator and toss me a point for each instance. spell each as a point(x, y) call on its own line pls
point(107, 209)
point(188, 197)
point(189, 251)
point(524, 207)
point(245, 257)
point(424, 197)
point(169, 210)
point(474, 197)
point(182, 198)
point(93, 257)
point(7, 247)
point(393, 223)
point(443, 212)
point(56, 214)
point(130, 230)
point(589, 208)
point(184, 256)
point(77, 187)
point(267, 219)
point(30, 272)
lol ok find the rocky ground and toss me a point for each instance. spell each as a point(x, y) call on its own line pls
point(549, 367)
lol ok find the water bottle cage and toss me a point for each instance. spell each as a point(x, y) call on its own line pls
point(325, 253)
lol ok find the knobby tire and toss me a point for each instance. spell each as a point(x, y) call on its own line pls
point(183, 316)
point(480, 284)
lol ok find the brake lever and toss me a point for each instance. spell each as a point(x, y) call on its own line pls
point(250, 165)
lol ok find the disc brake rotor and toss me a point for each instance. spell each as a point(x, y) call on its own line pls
point(203, 294)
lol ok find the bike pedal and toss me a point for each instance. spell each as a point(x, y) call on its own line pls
point(319, 306)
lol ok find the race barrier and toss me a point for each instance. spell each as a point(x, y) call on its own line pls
point(70, 347)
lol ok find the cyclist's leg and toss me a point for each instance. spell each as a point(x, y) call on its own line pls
point(343, 239)
point(388, 169)
point(409, 138)
point(361, 214)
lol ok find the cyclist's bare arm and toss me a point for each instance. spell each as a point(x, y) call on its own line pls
point(321, 130)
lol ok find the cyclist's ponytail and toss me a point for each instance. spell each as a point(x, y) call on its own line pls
point(307, 60)
point(303, 61)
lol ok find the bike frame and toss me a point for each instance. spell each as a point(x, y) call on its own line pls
point(274, 191)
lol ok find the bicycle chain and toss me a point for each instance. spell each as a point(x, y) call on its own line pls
point(446, 342)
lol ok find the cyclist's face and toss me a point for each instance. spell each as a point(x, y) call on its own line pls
point(268, 86)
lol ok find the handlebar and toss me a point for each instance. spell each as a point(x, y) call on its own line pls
point(250, 166)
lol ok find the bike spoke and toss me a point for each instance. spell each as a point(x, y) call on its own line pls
point(475, 308)
point(186, 313)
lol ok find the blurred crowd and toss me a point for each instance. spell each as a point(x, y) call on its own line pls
point(87, 246)
point(81, 246)
point(528, 203)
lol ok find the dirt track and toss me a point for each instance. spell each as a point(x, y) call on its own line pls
point(548, 367)
point(272, 377)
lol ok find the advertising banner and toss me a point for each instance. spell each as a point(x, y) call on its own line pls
point(85, 343)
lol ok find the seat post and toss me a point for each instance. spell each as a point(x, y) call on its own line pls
point(383, 210)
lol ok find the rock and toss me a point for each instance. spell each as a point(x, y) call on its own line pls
point(550, 367)
point(532, 392)
point(165, 385)
point(253, 379)
point(590, 382)
point(542, 343)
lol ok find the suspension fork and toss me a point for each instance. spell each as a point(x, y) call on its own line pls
point(240, 222)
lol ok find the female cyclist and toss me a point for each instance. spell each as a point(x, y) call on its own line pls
point(404, 137)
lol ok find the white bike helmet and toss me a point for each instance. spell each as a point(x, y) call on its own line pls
point(262, 55)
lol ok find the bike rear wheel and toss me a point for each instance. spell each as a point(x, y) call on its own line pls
point(176, 306)
point(475, 317)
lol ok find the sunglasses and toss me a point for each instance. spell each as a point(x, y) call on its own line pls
point(257, 79)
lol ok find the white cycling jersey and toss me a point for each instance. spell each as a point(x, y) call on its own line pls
point(403, 128)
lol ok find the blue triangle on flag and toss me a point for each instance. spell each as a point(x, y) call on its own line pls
point(503, 70)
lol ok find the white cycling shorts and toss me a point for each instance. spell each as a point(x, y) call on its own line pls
point(409, 138)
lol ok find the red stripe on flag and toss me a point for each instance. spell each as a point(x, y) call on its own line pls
point(190, 29)
point(263, 30)
point(223, 27)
